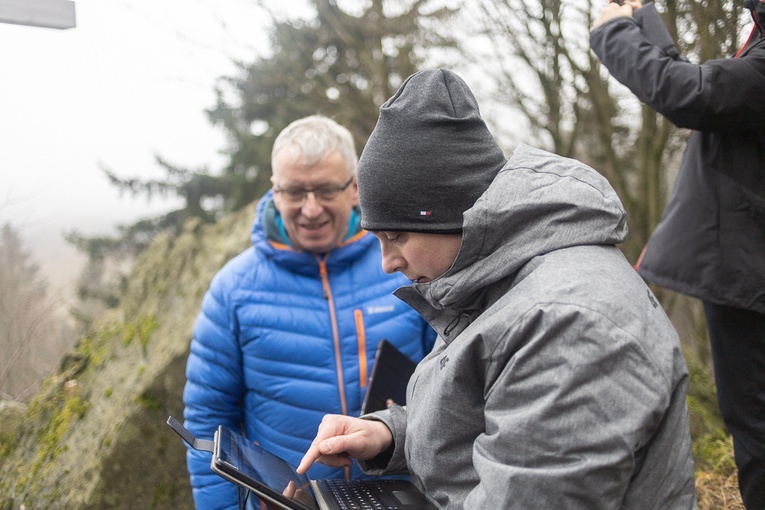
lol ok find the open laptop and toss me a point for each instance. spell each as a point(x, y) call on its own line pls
point(276, 481)
point(390, 376)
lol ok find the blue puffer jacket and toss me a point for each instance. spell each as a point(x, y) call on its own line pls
point(285, 337)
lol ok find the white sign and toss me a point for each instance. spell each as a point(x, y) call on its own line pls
point(38, 13)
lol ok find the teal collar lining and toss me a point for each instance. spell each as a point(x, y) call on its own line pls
point(354, 225)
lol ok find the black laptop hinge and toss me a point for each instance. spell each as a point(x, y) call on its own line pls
point(203, 445)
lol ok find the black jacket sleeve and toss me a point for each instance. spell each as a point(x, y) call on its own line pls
point(718, 95)
point(653, 28)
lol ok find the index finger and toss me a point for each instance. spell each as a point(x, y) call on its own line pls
point(311, 456)
point(327, 429)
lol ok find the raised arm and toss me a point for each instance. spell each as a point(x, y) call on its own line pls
point(717, 95)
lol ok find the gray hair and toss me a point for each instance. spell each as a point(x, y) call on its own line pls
point(315, 138)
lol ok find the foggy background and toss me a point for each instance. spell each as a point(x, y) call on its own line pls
point(131, 80)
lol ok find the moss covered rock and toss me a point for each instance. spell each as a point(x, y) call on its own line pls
point(94, 437)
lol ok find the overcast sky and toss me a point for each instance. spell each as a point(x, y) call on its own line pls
point(130, 81)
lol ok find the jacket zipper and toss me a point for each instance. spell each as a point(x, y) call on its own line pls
point(362, 337)
point(335, 334)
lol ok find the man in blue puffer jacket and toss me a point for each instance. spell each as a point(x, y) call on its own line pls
point(289, 328)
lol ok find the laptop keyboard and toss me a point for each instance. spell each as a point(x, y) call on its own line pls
point(357, 495)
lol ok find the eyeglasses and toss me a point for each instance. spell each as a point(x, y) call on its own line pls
point(322, 193)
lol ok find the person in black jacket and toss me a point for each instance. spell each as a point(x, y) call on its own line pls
point(710, 242)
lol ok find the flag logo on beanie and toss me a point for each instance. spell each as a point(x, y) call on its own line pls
point(426, 213)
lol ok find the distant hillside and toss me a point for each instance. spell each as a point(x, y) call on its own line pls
point(95, 437)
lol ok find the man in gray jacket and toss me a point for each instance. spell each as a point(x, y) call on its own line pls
point(557, 381)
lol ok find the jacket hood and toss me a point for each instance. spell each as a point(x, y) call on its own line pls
point(538, 203)
point(264, 227)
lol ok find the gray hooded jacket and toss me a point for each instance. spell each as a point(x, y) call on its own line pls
point(557, 380)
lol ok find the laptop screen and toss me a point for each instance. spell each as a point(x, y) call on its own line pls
point(262, 471)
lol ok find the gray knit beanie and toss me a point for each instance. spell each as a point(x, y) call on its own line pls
point(428, 159)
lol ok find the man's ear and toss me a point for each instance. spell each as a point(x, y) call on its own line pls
point(277, 196)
